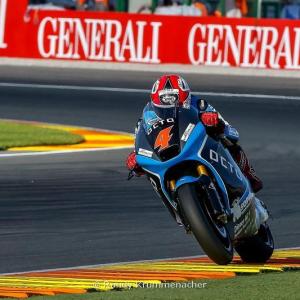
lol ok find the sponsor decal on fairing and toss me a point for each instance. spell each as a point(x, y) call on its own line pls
point(214, 156)
point(163, 139)
point(145, 152)
point(160, 122)
point(238, 209)
point(187, 132)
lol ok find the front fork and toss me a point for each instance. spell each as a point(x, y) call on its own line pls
point(219, 211)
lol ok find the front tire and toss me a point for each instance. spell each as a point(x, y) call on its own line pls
point(258, 248)
point(214, 239)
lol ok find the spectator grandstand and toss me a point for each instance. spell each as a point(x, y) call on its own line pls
point(288, 9)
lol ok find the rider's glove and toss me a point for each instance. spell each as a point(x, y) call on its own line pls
point(133, 166)
point(210, 119)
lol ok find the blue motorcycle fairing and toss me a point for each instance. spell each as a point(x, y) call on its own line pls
point(189, 152)
point(184, 180)
point(155, 119)
point(192, 151)
point(220, 158)
point(159, 168)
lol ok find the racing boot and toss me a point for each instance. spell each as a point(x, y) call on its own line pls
point(242, 161)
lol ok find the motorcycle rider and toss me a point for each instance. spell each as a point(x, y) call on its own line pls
point(171, 90)
point(173, 87)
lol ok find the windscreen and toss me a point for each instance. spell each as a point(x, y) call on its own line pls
point(164, 127)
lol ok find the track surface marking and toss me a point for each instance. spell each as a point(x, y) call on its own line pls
point(143, 91)
point(93, 139)
point(134, 275)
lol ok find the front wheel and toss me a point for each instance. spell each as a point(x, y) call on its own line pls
point(258, 248)
point(213, 238)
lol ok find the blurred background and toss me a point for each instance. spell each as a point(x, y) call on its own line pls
point(289, 9)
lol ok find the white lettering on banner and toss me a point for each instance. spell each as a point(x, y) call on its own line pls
point(52, 39)
point(112, 39)
point(268, 43)
point(234, 46)
point(215, 34)
point(251, 45)
point(284, 50)
point(96, 47)
point(65, 46)
point(128, 43)
point(244, 46)
point(296, 62)
point(94, 39)
point(3, 5)
point(201, 45)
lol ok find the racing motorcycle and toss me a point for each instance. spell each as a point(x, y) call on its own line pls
point(201, 185)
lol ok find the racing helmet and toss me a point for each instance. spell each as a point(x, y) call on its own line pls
point(171, 90)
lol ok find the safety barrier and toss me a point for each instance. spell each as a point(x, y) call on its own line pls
point(134, 38)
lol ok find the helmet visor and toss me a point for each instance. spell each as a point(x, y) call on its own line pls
point(169, 97)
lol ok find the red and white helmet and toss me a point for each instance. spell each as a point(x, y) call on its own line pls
point(169, 90)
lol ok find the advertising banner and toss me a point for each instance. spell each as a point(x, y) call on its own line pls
point(151, 39)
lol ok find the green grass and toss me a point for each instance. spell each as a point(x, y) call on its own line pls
point(18, 135)
point(263, 286)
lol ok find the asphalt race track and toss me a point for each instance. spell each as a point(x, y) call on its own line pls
point(67, 210)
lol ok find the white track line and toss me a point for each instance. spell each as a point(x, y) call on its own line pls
point(124, 262)
point(128, 90)
point(62, 152)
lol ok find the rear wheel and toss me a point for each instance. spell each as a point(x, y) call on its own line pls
point(258, 248)
point(213, 238)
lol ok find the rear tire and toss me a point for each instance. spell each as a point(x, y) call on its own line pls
point(258, 248)
point(214, 239)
